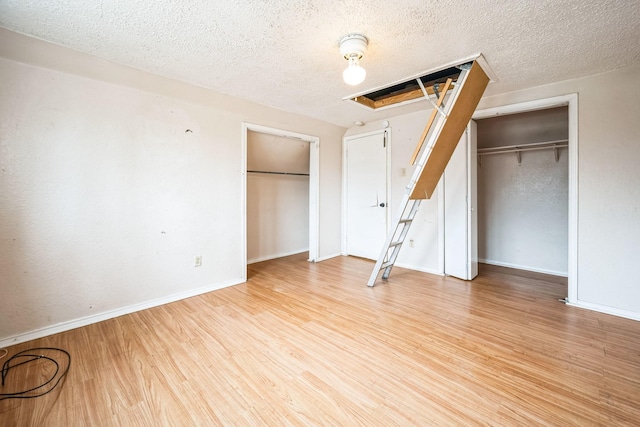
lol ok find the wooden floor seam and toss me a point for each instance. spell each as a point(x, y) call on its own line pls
point(304, 344)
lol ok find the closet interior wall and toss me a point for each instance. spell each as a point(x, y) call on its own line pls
point(522, 194)
point(277, 196)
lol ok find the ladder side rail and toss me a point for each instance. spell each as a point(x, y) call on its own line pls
point(434, 133)
point(463, 102)
point(437, 108)
point(398, 235)
point(401, 239)
point(432, 136)
point(385, 249)
point(437, 125)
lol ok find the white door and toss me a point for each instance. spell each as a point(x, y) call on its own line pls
point(460, 214)
point(366, 194)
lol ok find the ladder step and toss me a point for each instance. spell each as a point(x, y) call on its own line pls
point(393, 244)
point(385, 265)
point(404, 221)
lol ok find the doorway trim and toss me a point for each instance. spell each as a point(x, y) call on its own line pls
point(314, 185)
point(571, 101)
point(345, 139)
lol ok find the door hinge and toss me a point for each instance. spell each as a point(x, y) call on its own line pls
point(384, 140)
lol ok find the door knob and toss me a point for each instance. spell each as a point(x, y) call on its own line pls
point(382, 205)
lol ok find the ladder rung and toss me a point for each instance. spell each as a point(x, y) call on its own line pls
point(398, 243)
point(385, 265)
point(404, 221)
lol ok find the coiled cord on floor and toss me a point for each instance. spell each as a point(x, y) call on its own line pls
point(31, 357)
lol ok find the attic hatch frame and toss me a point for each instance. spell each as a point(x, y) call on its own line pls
point(407, 91)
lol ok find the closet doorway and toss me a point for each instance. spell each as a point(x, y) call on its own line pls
point(523, 191)
point(527, 187)
point(280, 193)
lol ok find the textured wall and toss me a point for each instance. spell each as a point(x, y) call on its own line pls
point(523, 208)
point(277, 216)
point(107, 195)
point(277, 205)
point(523, 211)
point(523, 128)
point(109, 191)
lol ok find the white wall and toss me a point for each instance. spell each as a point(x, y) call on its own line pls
point(523, 207)
point(522, 211)
point(277, 204)
point(608, 190)
point(113, 179)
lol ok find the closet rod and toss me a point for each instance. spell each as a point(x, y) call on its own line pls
point(518, 149)
point(522, 147)
point(280, 173)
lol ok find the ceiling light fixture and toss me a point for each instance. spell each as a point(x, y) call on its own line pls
point(353, 47)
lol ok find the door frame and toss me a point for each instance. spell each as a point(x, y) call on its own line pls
point(570, 101)
point(314, 185)
point(471, 196)
point(345, 176)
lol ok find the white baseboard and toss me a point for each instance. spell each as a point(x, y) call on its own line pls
point(524, 267)
point(326, 257)
point(417, 268)
point(606, 310)
point(99, 317)
point(274, 256)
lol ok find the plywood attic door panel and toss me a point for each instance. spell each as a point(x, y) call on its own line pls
point(446, 141)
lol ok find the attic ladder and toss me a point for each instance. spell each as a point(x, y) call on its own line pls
point(444, 130)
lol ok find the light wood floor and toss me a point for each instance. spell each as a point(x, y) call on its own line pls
point(311, 344)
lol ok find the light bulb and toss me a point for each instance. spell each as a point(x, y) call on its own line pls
point(354, 74)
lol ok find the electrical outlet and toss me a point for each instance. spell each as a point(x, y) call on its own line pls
point(198, 261)
point(411, 243)
point(403, 171)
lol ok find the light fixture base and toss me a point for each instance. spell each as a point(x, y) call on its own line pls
point(353, 45)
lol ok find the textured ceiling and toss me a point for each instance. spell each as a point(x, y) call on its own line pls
point(284, 53)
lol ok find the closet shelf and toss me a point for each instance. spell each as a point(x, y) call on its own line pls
point(518, 149)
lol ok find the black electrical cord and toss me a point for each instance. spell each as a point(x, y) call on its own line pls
point(33, 357)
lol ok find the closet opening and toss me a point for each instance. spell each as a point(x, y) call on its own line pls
point(281, 192)
point(523, 191)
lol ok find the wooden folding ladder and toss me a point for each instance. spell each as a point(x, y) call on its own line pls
point(444, 129)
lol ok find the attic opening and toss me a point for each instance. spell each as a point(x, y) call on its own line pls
point(409, 90)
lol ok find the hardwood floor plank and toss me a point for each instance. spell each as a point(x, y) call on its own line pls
point(310, 344)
